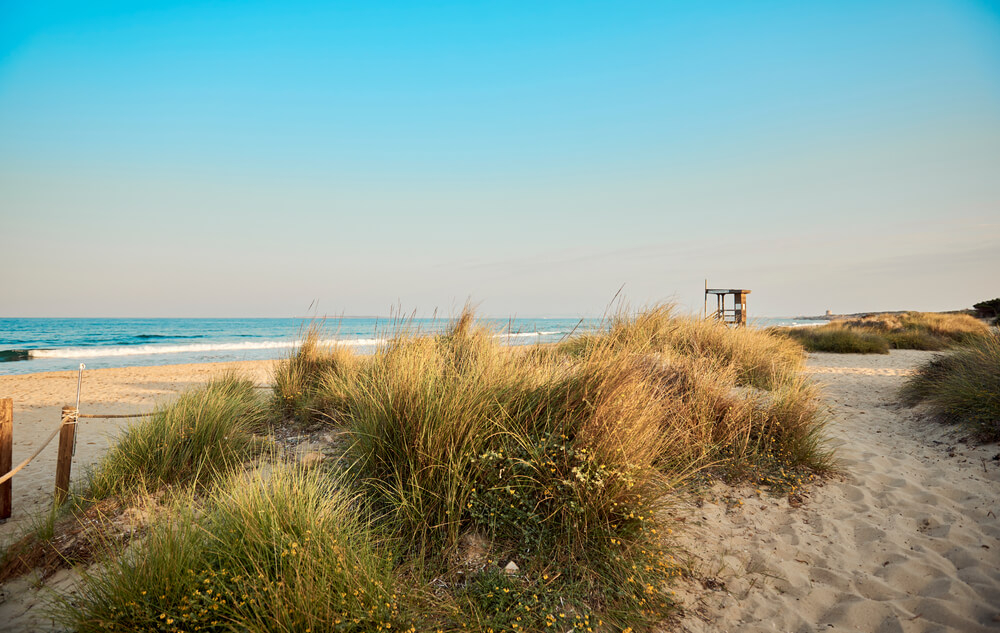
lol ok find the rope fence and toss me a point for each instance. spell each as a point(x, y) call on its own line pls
point(114, 415)
point(67, 445)
point(17, 469)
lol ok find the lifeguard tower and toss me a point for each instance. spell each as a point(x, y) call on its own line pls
point(735, 315)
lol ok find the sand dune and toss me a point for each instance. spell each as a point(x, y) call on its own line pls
point(905, 539)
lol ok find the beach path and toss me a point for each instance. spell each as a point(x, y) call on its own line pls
point(905, 539)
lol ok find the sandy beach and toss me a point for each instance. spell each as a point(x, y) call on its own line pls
point(39, 399)
point(905, 538)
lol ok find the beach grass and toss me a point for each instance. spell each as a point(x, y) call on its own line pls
point(838, 339)
point(878, 333)
point(275, 549)
point(507, 488)
point(962, 386)
point(296, 378)
point(206, 431)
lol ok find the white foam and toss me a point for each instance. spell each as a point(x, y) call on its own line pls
point(193, 348)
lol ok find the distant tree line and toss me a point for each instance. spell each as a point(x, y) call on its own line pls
point(989, 310)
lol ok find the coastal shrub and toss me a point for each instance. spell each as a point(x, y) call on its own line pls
point(296, 379)
point(962, 386)
point(838, 339)
point(275, 549)
point(989, 310)
point(204, 432)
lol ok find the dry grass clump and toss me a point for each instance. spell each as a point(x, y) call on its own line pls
point(760, 359)
point(297, 378)
point(837, 338)
point(561, 458)
point(206, 431)
point(922, 330)
point(877, 333)
point(276, 549)
point(963, 387)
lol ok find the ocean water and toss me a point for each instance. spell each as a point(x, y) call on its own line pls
point(37, 345)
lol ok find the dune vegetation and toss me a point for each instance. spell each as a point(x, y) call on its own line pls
point(470, 485)
point(878, 333)
point(963, 386)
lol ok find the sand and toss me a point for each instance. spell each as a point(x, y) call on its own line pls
point(39, 399)
point(906, 538)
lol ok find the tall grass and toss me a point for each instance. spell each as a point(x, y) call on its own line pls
point(561, 456)
point(296, 379)
point(278, 549)
point(963, 386)
point(558, 458)
point(761, 359)
point(838, 339)
point(877, 333)
point(206, 430)
point(922, 330)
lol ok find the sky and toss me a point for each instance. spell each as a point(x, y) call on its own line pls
point(243, 159)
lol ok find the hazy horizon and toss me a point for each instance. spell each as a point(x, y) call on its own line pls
point(194, 159)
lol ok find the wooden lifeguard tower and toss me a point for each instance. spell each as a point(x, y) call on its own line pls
point(735, 315)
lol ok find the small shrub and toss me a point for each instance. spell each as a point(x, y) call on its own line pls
point(988, 309)
point(963, 386)
point(206, 431)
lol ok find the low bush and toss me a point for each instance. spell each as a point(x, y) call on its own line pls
point(963, 386)
point(204, 432)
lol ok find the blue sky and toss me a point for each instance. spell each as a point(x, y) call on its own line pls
point(245, 159)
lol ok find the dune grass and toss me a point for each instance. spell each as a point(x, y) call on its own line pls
point(296, 378)
point(761, 359)
point(838, 339)
point(878, 333)
point(922, 330)
point(557, 458)
point(276, 549)
point(963, 386)
point(204, 432)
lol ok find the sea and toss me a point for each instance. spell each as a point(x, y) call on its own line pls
point(29, 345)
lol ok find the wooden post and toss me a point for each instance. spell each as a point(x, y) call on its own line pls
point(6, 454)
point(64, 460)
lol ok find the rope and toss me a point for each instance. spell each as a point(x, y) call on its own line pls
point(27, 461)
point(109, 415)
